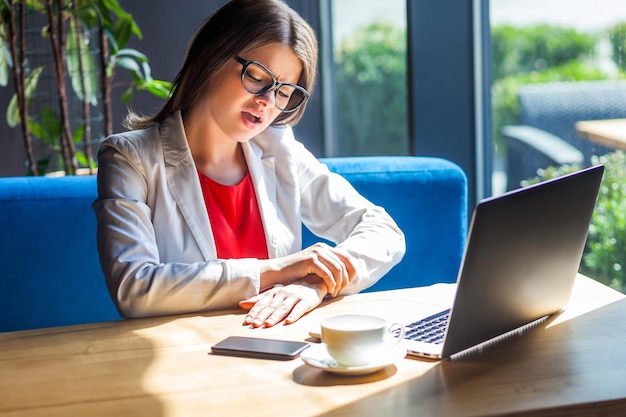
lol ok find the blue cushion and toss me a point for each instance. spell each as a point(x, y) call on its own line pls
point(49, 268)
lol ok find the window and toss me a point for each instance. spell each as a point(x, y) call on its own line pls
point(369, 86)
point(557, 63)
point(540, 51)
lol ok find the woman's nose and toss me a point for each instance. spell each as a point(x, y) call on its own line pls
point(268, 98)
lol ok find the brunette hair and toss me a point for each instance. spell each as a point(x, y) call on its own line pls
point(237, 27)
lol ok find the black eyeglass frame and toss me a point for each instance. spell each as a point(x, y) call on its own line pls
point(275, 84)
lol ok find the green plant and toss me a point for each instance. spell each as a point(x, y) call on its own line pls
point(604, 258)
point(519, 50)
point(87, 41)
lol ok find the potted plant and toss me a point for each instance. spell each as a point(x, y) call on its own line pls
point(62, 57)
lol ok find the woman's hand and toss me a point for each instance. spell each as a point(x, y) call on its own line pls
point(287, 303)
point(332, 265)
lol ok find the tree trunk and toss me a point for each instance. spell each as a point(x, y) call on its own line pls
point(18, 54)
point(57, 39)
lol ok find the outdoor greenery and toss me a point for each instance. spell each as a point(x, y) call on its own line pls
point(79, 44)
point(535, 54)
point(604, 257)
point(543, 53)
point(372, 92)
point(536, 48)
point(618, 45)
point(540, 54)
point(372, 82)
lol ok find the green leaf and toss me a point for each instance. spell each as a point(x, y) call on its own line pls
point(13, 111)
point(147, 72)
point(5, 59)
point(5, 13)
point(127, 96)
point(110, 68)
point(133, 53)
point(122, 30)
point(35, 128)
point(78, 135)
point(49, 129)
point(103, 10)
point(158, 88)
point(108, 6)
point(82, 159)
point(129, 64)
point(50, 126)
point(38, 5)
point(81, 67)
point(114, 6)
point(88, 14)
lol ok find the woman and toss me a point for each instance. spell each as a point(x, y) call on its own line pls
point(201, 205)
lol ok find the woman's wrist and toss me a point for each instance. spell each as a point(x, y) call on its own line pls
point(269, 273)
point(314, 282)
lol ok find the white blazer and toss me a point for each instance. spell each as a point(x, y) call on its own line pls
point(154, 237)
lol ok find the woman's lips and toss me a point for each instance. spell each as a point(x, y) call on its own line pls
point(252, 119)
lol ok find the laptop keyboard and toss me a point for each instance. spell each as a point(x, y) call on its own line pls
point(430, 330)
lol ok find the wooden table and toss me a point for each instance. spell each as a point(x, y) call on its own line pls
point(610, 133)
point(162, 367)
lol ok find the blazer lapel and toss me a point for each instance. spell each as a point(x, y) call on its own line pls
point(184, 184)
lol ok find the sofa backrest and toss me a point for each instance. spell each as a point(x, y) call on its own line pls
point(49, 268)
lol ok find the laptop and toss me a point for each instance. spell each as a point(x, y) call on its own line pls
point(521, 259)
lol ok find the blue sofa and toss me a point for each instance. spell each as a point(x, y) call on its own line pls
point(50, 273)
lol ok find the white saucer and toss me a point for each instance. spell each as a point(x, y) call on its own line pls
point(318, 357)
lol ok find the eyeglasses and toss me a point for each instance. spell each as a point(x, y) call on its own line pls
point(258, 80)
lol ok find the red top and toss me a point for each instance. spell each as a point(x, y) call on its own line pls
point(235, 218)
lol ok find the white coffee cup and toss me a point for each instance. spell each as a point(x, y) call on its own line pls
point(358, 339)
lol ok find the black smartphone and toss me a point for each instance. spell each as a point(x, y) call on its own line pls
point(253, 347)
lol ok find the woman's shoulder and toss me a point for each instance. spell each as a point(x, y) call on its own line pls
point(170, 126)
point(141, 146)
point(133, 138)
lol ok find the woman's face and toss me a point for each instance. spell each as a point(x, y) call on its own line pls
point(239, 114)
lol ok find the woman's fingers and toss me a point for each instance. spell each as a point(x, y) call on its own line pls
point(350, 269)
point(272, 304)
point(333, 266)
point(287, 303)
point(248, 304)
point(281, 311)
point(299, 310)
